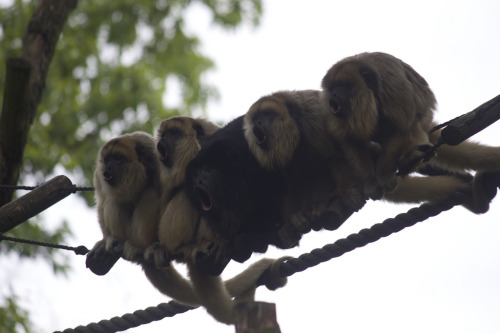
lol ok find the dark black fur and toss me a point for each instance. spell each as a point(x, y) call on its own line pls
point(239, 199)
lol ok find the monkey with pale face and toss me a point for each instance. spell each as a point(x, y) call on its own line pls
point(129, 205)
point(127, 191)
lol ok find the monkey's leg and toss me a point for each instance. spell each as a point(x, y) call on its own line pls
point(415, 189)
point(350, 183)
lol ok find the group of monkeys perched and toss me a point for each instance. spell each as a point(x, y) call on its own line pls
point(296, 161)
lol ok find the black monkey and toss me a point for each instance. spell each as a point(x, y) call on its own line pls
point(240, 200)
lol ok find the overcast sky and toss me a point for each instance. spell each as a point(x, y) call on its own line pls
point(442, 275)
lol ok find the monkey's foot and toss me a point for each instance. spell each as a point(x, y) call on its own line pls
point(100, 261)
point(210, 258)
point(484, 189)
point(353, 199)
point(158, 255)
point(329, 220)
point(288, 237)
point(114, 245)
point(375, 189)
point(301, 221)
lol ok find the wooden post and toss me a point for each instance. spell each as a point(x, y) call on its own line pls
point(470, 123)
point(255, 317)
point(13, 123)
point(36, 201)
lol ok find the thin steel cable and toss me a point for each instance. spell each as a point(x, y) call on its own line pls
point(31, 188)
point(79, 250)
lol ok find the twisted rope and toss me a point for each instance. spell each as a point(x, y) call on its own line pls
point(79, 250)
point(289, 266)
point(130, 320)
point(367, 236)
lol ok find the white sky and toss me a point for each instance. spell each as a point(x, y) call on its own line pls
point(442, 275)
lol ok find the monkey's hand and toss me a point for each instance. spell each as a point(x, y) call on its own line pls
point(411, 160)
point(100, 261)
point(288, 236)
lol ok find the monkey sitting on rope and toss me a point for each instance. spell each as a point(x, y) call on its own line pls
point(128, 195)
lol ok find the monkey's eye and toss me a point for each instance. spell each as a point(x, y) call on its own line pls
point(119, 159)
point(266, 115)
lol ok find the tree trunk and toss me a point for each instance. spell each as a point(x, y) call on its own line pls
point(24, 85)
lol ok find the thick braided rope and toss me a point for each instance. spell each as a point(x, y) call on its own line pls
point(288, 267)
point(367, 236)
point(130, 320)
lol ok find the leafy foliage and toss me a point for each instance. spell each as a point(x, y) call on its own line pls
point(110, 72)
point(112, 66)
point(12, 317)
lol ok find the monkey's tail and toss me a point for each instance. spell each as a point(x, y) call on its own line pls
point(468, 155)
point(412, 189)
point(172, 284)
point(213, 294)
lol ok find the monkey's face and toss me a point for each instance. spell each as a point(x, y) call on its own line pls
point(271, 132)
point(114, 166)
point(179, 139)
point(214, 174)
point(349, 97)
point(339, 99)
point(260, 126)
point(167, 141)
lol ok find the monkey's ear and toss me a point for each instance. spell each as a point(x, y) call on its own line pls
point(370, 78)
point(147, 158)
point(293, 109)
point(200, 133)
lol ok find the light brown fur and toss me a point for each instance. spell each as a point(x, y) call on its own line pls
point(312, 191)
point(286, 131)
point(375, 97)
point(128, 207)
point(183, 234)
